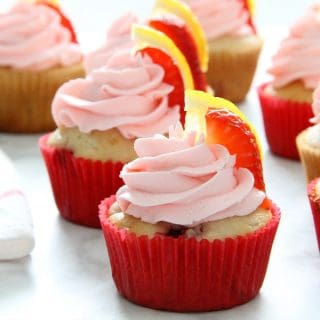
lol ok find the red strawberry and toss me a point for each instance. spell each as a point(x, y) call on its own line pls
point(226, 128)
point(172, 77)
point(183, 39)
point(64, 20)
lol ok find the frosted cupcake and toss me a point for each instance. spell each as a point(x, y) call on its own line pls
point(187, 209)
point(286, 101)
point(308, 142)
point(38, 53)
point(99, 118)
point(234, 46)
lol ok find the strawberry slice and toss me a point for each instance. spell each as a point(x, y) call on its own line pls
point(227, 129)
point(172, 76)
point(64, 20)
point(183, 39)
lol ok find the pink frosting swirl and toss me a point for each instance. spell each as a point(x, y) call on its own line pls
point(180, 181)
point(128, 93)
point(118, 38)
point(298, 56)
point(32, 37)
point(219, 18)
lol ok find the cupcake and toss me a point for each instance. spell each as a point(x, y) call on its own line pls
point(308, 142)
point(192, 229)
point(314, 199)
point(286, 100)
point(38, 53)
point(135, 94)
point(234, 46)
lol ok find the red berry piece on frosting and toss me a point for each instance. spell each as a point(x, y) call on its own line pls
point(64, 20)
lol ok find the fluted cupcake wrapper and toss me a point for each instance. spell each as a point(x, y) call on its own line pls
point(230, 75)
point(26, 97)
point(79, 185)
point(185, 275)
point(283, 121)
point(309, 155)
point(315, 206)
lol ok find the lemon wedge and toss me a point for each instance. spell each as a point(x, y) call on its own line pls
point(145, 37)
point(182, 11)
point(53, 2)
point(198, 103)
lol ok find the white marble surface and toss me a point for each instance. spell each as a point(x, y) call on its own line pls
point(67, 276)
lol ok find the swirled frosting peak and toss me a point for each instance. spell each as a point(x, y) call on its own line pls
point(298, 56)
point(118, 38)
point(184, 181)
point(32, 37)
point(128, 93)
point(219, 18)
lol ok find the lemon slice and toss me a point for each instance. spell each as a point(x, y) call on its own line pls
point(53, 2)
point(182, 11)
point(251, 7)
point(198, 103)
point(147, 37)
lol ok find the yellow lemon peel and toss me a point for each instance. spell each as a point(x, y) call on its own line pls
point(53, 2)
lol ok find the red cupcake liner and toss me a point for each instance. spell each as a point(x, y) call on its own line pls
point(186, 275)
point(283, 121)
point(315, 206)
point(79, 184)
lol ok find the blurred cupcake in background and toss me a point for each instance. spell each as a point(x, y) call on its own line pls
point(38, 53)
point(286, 100)
point(234, 46)
point(308, 142)
point(99, 118)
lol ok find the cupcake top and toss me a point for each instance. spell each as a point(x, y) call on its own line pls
point(118, 38)
point(128, 93)
point(182, 180)
point(220, 18)
point(297, 58)
point(32, 37)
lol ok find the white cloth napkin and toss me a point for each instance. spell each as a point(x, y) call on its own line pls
point(16, 230)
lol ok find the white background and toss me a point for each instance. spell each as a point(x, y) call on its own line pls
point(68, 275)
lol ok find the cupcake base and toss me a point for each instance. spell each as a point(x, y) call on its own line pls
point(309, 155)
point(231, 69)
point(283, 121)
point(315, 206)
point(79, 184)
point(26, 97)
point(186, 275)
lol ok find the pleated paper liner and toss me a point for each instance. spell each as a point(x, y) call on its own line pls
point(79, 184)
point(314, 200)
point(26, 97)
point(309, 155)
point(230, 73)
point(186, 275)
point(283, 121)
